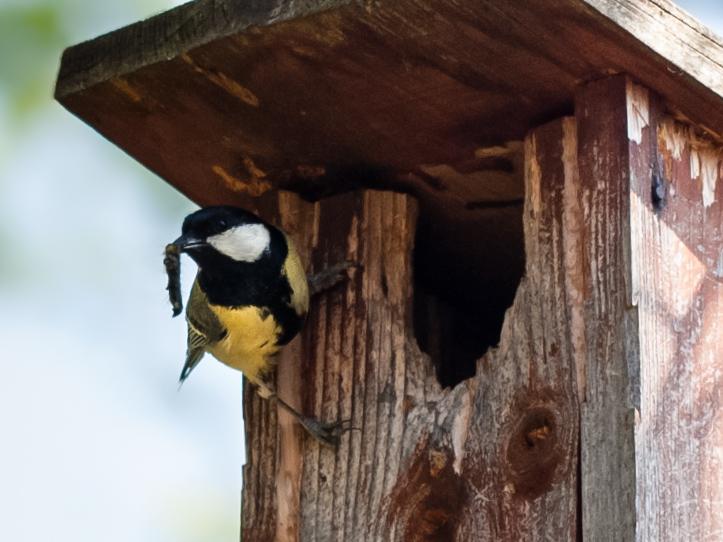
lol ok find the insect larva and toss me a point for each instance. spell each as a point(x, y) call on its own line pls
point(172, 263)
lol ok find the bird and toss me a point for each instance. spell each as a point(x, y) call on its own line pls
point(250, 298)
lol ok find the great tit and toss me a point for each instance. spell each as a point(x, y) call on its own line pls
point(249, 299)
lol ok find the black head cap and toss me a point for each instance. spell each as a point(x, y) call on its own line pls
point(223, 236)
point(216, 219)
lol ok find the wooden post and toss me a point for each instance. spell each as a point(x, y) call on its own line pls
point(610, 357)
point(651, 423)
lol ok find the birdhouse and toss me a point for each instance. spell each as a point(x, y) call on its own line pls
point(529, 343)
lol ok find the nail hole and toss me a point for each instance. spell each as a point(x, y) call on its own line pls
point(659, 191)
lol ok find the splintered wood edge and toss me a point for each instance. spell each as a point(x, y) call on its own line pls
point(690, 47)
point(168, 34)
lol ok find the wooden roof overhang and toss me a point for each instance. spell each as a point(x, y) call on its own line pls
point(228, 100)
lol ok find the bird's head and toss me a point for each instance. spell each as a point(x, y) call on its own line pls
point(224, 234)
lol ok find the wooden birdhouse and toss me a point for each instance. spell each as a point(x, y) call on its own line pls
point(530, 347)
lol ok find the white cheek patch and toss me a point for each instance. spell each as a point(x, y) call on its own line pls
point(245, 243)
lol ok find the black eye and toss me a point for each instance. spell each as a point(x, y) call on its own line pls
point(222, 224)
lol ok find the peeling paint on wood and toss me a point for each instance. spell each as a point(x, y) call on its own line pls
point(460, 429)
point(704, 166)
point(223, 81)
point(673, 136)
point(125, 87)
point(705, 156)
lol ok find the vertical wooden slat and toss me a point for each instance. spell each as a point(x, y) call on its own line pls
point(607, 415)
point(258, 500)
point(651, 428)
point(520, 460)
point(677, 263)
point(294, 216)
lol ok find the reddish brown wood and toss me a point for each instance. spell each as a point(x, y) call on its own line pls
point(228, 99)
point(651, 423)
point(607, 416)
point(619, 310)
point(494, 457)
point(677, 288)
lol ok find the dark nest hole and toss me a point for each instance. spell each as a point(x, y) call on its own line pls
point(469, 248)
point(467, 266)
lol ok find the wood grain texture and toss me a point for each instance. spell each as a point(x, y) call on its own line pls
point(658, 24)
point(611, 350)
point(651, 423)
point(493, 458)
point(227, 100)
point(607, 415)
point(690, 48)
point(677, 288)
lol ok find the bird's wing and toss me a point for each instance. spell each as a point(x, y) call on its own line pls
point(204, 329)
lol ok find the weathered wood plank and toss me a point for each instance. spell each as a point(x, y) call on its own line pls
point(658, 24)
point(227, 100)
point(521, 451)
point(677, 270)
point(683, 41)
point(168, 34)
point(651, 423)
point(607, 414)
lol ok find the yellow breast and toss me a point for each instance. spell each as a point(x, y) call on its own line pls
point(250, 342)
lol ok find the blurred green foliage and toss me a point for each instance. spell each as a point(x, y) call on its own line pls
point(33, 34)
point(33, 126)
point(30, 38)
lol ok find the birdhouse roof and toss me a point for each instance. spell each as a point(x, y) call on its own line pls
point(227, 100)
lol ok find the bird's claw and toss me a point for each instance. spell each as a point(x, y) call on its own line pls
point(327, 433)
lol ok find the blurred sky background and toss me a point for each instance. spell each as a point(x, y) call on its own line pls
point(96, 442)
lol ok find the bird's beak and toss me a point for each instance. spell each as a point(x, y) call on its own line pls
point(186, 243)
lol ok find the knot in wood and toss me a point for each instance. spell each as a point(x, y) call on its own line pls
point(428, 498)
point(534, 452)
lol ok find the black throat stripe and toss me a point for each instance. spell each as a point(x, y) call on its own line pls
point(262, 284)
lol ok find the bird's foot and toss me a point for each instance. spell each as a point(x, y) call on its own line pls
point(327, 433)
